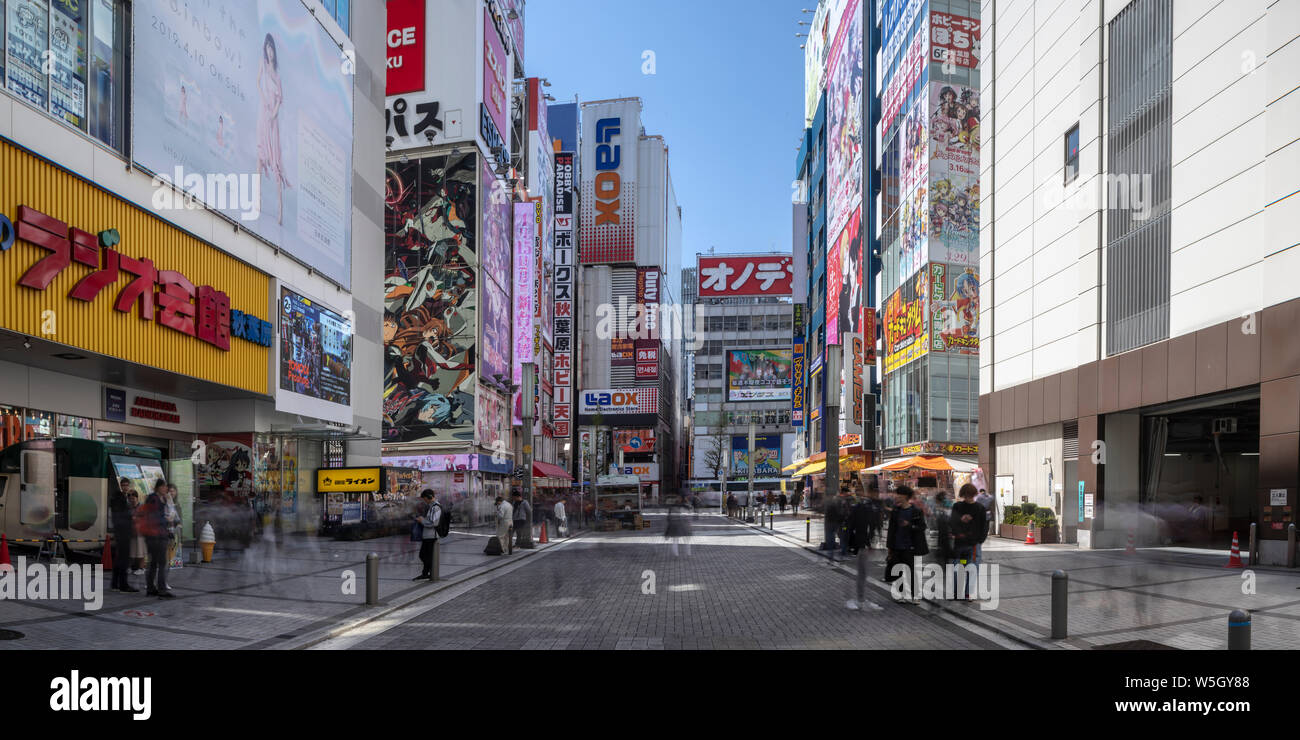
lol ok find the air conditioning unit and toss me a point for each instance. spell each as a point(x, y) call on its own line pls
point(1225, 425)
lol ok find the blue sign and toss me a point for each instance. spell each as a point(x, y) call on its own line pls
point(1080, 501)
point(114, 404)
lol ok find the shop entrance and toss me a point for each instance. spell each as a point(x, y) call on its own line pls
point(1200, 472)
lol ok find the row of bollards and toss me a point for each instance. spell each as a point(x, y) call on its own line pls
point(372, 573)
point(1238, 620)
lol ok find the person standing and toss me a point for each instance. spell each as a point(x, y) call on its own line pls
point(119, 508)
point(429, 520)
point(906, 538)
point(137, 542)
point(522, 521)
point(985, 500)
point(943, 526)
point(505, 515)
point(969, 529)
point(151, 520)
point(863, 520)
point(174, 524)
point(833, 521)
point(678, 531)
point(561, 519)
point(794, 501)
point(781, 502)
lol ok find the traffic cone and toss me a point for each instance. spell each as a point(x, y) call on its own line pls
point(107, 559)
point(1132, 548)
point(4, 550)
point(1234, 560)
point(542, 540)
point(1029, 537)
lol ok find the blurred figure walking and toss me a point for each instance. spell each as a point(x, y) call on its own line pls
point(860, 529)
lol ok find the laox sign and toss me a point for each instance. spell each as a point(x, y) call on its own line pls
point(609, 184)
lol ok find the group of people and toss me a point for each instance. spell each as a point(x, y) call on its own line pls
point(763, 499)
point(143, 533)
point(857, 523)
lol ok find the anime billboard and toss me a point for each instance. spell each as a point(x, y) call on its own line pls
point(955, 309)
point(954, 174)
point(907, 323)
point(430, 299)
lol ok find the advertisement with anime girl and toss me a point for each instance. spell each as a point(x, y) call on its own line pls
point(954, 323)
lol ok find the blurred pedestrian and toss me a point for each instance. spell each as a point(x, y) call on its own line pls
point(119, 508)
point(561, 519)
point(174, 524)
point(985, 500)
point(428, 519)
point(906, 538)
point(522, 518)
point(833, 520)
point(138, 548)
point(505, 515)
point(969, 530)
point(863, 520)
point(795, 499)
point(781, 501)
point(151, 521)
point(678, 530)
point(943, 552)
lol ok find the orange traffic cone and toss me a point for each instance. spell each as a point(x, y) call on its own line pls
point(542, 540)
point(4, 550)
point(107, 559)
point(1029, 537)
point(1234, 560)
point(1132, 548)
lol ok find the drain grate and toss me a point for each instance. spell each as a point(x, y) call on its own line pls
point(11, 635)
point(1134, 645)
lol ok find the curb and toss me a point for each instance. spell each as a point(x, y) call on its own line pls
point(384, 609)
point(997, 626)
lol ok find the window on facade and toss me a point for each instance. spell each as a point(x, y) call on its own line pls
point(84, 44)
point(1072, 154)
point(729, 323)
point(338, 10)
point(742, 323)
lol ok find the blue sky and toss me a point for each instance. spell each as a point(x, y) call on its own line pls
point(727, 96)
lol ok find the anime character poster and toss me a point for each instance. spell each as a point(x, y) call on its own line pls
point(955, 310)
point(430, 299)
point(954, 174)
point(907, 323)
point(915, 148)
point(491, 419)
point(913, 222)
point(844, 86)
point(851, 256)
point(227, 470)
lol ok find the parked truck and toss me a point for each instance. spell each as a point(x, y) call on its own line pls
point(618, 497)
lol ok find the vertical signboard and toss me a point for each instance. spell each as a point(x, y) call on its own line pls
point(406, 39)
point(494, 359)
point(564, 294)
point(954, 309)
point(834, 288)
point(954, 174)
point(609, 177)
point(797, 370)
point(430, 299)
point(496, 79)
point(844, 121)
point(525, 227)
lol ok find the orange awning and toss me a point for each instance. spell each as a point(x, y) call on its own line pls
point(938, 463)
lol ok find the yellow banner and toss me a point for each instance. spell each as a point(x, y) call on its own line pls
point(347, 480)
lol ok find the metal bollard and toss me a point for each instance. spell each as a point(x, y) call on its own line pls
point(1254, 554)
point(771, 521)
point(437, 560)
point(1238, 630)
point(1290, 546)
point(1060, 605)
point(807, 530)
point(372, 579)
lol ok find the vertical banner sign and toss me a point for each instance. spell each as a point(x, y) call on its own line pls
point(405, 46)
point(539, 232)
point(797, 370)
point(856, 343)
point(524, 226)
point(564, 294)
point(646, 328)
point(869, 330)
point(609, 135)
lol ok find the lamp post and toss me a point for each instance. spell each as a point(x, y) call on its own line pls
point(750, 501)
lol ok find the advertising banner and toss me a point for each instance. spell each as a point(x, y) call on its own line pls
point(248, 106)
point(914, 147)
point(492, 430)
point(525, 229)
point(758, 374)
point(431, 267)
point(406, 40)
point(906, 323)
point(814, 66)
point(564, 174)
point(913, 223)
point(496, 77)
point(315, 350)
point(609, 178)
point(767, 455)
point(954, 310)
point(834, 289)
point(869, 335)
point(27, 38)
point(494, 359)
point(615, 402)
point(634, 441)
point(647, 359)
point(647, 472)
point(851, 259)
point(954, 39)
point(797, 390)
point(898, 18)
point(762, 275)
point(911, 68)
point(853, 386)
point(564, 328)
point(516, 25)
point(844, 121)
point(954, 174)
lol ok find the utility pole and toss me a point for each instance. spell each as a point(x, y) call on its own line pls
point(751, 461)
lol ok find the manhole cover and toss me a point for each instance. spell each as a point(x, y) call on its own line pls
point(137, 613)
point(1134, 645)
point(11, 635)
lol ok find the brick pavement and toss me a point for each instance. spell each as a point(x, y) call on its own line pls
point(1180, 600)
point(737, 590)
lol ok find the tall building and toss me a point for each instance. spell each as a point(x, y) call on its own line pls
point(742, 368)
point(630, 238)
point(190, 275)
point(1140, 188)
point(929, 226)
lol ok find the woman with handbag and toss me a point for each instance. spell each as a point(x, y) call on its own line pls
point(906, 539)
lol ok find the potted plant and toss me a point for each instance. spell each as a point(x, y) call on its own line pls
point(1048, 532)
point(1010, 516)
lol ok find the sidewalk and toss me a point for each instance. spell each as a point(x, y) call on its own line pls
point(264, 597)
point(1171, 598)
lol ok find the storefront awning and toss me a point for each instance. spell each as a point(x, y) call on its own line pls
point(936, 463)
point(548, 470)
point(817, 467)
point(794, 466)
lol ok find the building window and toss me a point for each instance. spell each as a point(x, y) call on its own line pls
point(1072, 154)
point(338, 10)
point(85, 46)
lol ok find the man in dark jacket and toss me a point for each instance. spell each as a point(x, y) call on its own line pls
point(119, 510)
point(522, 519)
point(906, 538)
point(863, 520)
point(781, 501)
point(152, 523)
point(969, 529)
point(834, 521)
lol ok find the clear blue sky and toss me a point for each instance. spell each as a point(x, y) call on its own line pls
point(727, 96)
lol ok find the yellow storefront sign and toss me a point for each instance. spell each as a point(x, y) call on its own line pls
point(84, 268)
point(347, 480)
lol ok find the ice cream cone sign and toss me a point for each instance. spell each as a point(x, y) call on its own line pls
point(207, 541)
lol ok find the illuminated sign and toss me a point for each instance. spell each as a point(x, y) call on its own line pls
point(347, 480)
point(405, 46)
point(609, 185)
point(746, 276)
point(637, 401)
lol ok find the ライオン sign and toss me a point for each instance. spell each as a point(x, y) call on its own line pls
point(347, 480)
point(83, 268)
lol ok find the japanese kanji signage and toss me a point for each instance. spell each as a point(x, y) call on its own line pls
point(85, 269)
point(564, 298)
point(347, 480)
point(747, 275)
point(954, 39)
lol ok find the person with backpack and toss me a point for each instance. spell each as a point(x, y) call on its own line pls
point(969, 530)
point(863, 520)
point(906, 538)
point(151, 523)
point(434, 524)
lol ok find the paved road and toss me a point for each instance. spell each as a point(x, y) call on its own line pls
point(738, 589)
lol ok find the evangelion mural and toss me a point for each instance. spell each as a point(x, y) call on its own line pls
point(430, 309)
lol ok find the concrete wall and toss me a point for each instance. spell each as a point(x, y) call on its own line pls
point(1020, 453)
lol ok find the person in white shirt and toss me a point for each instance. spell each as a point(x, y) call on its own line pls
point(429, 520)
point(505, 513)
point(561, 519)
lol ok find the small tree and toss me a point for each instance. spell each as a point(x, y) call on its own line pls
point(715, 456)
